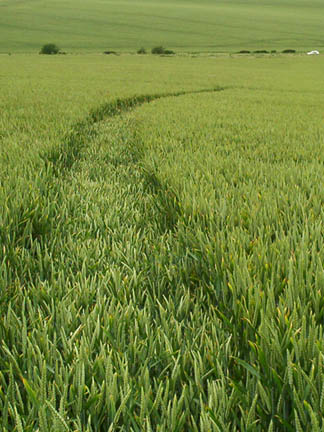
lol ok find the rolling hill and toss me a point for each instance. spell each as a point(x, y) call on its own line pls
point(184, 25)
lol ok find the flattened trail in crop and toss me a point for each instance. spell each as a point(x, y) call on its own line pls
point(63, 157)
point(62, 162)
point(97, 234)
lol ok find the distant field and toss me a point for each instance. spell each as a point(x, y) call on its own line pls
point(161, 233)
point(184, 25)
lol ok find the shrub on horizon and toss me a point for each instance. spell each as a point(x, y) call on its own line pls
point(49, 48)
point(158, 50)
point(141, 51)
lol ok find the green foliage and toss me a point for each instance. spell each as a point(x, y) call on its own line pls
point(141, 51)
point(161, 246)
point(49, 48)
point(161, 50)
point(158, 50)
point(168, 52)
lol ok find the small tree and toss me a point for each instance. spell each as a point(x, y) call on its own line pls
point(49, 48)
point(168, 52)
point(158, 50)
point(141, 51)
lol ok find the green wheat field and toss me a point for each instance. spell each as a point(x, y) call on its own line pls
point(161, 220)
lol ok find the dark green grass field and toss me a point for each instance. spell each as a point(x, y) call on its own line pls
point(184, 25)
